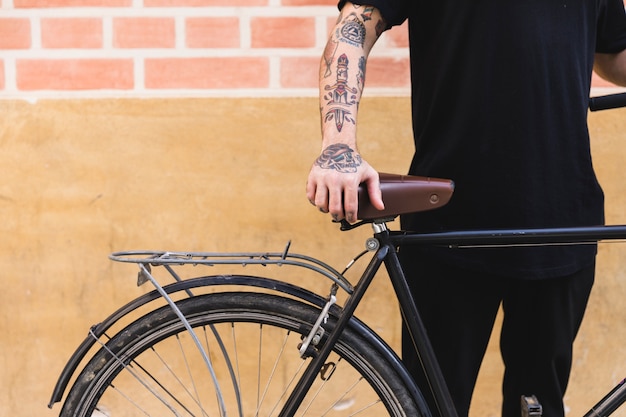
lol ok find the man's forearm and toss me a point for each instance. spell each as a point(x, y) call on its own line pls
point(342, 71)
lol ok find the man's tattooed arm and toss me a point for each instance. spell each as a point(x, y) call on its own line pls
point(334, 179)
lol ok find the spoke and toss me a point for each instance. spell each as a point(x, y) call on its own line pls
point(208, 351)
point(337, 403)
point(234, 336)
point(317, 393)
point(270, 378)
point(365, 408)
point(130, 400)
point(156, 381)
point(289, 385)
point(134, 374)
point(193, 382)
point(234, 378)
point(258, 376)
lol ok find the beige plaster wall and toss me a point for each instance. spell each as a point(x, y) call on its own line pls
point(83, 178)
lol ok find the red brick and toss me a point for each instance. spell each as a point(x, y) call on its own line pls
point(14, 33)
point(144, 32)
point(331, 22)
point(201, 3)
point(299, 72)
point(388, 72)
point(212, 32)
point(206, 73)
point(282, 32)
point(71, 3)
point(74, 74)
point(398, 36)
point(71, 33)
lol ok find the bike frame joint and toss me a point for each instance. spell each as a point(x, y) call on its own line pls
point(143, 275)
point(372, 244)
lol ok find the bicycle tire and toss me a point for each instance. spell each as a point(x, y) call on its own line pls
point(151, 367)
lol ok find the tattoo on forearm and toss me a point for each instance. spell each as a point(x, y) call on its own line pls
point(341, 97)
point(352, 31)
point(380, 27)
point(329, 56)
point(360, 76)
point(367, 13)
point(339, 157)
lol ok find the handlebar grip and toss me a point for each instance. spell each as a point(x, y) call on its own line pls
point(611, 101)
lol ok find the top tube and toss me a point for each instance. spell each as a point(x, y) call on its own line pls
point(513, 237)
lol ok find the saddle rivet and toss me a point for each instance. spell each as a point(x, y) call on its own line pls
point(434, 198)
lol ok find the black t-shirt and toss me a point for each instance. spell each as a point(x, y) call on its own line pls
point(500, 90)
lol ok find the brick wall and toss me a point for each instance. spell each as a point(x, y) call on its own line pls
point(144, 48)
point(136, 48)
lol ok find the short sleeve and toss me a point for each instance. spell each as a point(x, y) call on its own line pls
point(611, 37)
point(393, 11)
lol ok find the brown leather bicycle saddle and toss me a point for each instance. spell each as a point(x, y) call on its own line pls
point(405, 194)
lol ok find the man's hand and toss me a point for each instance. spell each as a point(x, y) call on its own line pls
point(334, 182)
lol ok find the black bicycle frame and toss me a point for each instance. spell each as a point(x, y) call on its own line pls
point(388, 242)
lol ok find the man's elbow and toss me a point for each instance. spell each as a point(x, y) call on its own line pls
point(611, 67)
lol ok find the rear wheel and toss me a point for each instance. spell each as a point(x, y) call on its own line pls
point(153, 367)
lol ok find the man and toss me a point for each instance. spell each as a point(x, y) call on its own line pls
point(499, 93)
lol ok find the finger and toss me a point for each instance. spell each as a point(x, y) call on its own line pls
point(335, 203)
point(311, 188)
point(321, 198)
point(310, 192)
point(317, 195)
point(351, 203)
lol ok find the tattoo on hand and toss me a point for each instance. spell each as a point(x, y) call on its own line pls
point(339, 157)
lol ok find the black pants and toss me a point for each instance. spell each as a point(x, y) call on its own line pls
point(541, 319)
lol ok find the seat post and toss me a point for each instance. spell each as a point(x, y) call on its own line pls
point(379, 226)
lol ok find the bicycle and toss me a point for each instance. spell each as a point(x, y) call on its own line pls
point(182, 348)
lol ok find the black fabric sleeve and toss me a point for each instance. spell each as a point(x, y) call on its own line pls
point(611, 27)
point(393, 11)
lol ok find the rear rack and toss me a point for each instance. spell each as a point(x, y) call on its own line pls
point(168, 259)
